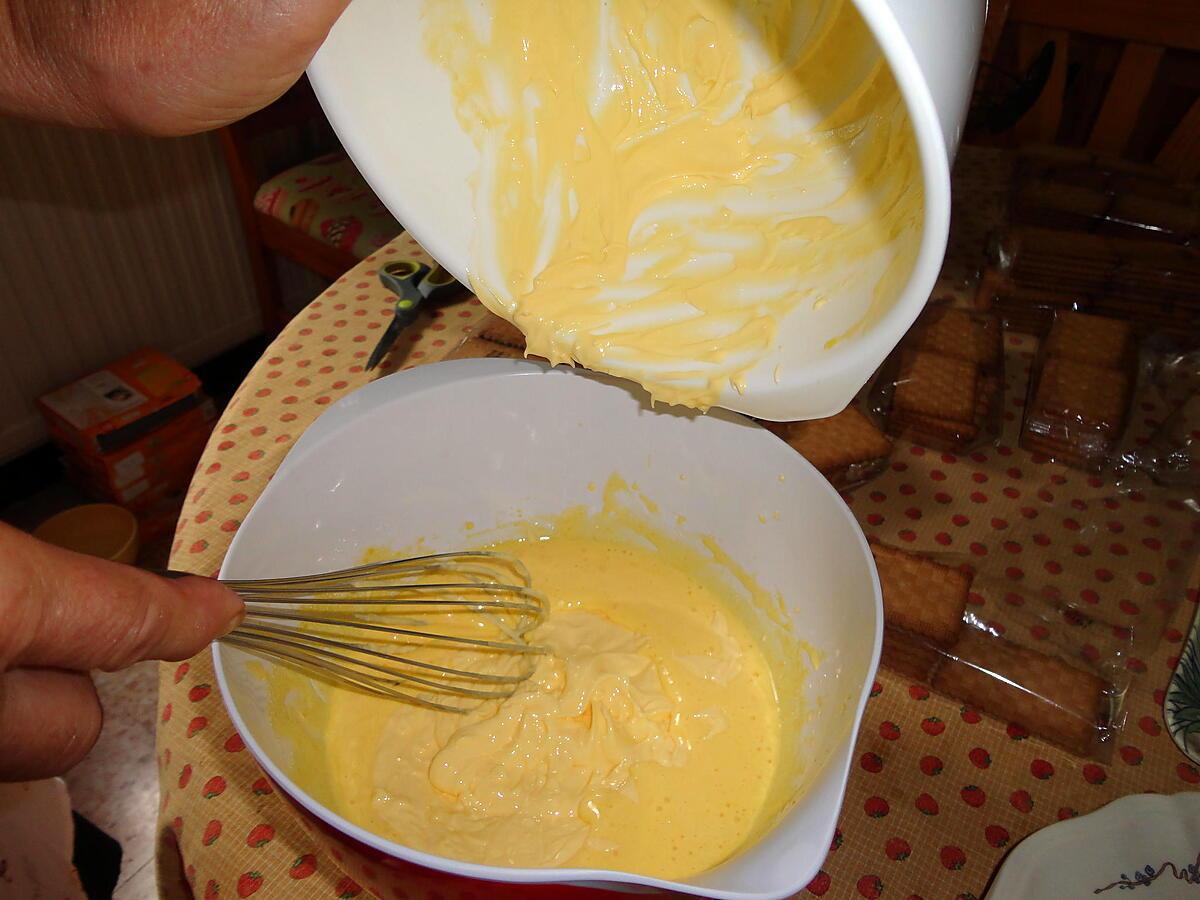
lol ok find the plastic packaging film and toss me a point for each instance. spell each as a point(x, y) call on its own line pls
point(943, 386)
point(1080, 390)
point(1066, 189)
point(1053, 655)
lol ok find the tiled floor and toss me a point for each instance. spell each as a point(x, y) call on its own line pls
point(116, 787)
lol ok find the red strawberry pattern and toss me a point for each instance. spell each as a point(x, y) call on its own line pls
point(933, 726)
point(212, 831)
point(214, 787)
point(973, 796)
point(876, 807)
point(248, 883)
point(897, 849)
point(952, 857)
point(303, 867)
point(927, 805)
point(930, 771)
point(819, 886)
point(870, 886)
point(1021, 801)
point(996, 836)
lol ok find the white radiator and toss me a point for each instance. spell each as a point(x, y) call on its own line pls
point(109, 243)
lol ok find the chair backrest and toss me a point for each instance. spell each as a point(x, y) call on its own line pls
point(1125, 79)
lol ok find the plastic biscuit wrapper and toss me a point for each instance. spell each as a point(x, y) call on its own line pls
point(1076, 190)
point(1152, 283)
point(1080, 388)
point(1170, 388)
point(943, 385)
point(847, 448)
point(1051, 648)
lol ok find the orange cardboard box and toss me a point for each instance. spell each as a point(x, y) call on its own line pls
point(161, 453)
point(126, 400)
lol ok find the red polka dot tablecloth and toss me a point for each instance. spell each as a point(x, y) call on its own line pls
point(938, 792)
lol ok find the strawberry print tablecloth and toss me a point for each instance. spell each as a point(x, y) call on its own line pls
point(938, 792)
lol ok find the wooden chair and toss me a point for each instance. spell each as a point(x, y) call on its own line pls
point(287, 133)
point(1124, 82)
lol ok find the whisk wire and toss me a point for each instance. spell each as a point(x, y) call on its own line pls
point(352, 625)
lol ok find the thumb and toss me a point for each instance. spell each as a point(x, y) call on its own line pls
point(76, 612)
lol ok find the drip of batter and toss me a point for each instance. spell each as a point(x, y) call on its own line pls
point(661, 183)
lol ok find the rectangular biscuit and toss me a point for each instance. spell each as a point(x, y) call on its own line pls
point(958, 334)
point(1095, 340)
point(908, 655)
point(947, 434)
point(934, 385)
point(1047, 695)
point(1081, 394)
point(920, 595)
point(838, 441)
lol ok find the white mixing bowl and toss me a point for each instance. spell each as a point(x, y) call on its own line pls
point(421, 453)
point(394, 111)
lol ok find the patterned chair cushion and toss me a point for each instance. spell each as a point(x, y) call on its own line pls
point(328, 199)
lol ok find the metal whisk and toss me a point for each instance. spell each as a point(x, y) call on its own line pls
point(436, 630)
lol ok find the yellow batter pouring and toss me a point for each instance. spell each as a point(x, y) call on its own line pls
point(661, 183)
point(646, 741)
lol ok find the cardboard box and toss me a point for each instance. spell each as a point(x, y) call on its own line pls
point(126, 400)
point(132, 434)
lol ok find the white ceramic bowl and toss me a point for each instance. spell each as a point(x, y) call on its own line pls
point(421, 453)
point(393, 111)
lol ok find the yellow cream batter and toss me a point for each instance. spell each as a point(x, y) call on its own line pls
point(661, 183)
point(647, 740)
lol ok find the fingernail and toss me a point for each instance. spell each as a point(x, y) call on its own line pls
point(235, 621)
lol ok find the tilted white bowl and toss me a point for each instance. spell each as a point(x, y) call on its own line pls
point(394, 112)
point(421, 453)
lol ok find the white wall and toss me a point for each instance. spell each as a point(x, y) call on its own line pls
point(109, 243)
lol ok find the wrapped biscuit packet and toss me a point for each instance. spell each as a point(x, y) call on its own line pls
point(1170, 453)
point(1052, 646)
point(1080, 390)
point(847, 448)
point(930, 635)
point(1151, 283)
point(1069, 189)
point(943, 386)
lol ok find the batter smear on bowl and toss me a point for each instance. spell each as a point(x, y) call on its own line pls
point(661, 185)
point(647, 740)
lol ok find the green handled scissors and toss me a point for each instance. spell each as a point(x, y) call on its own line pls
point(412, 282)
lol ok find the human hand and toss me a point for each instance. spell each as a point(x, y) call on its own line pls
point(65, 614)
point(164, 67)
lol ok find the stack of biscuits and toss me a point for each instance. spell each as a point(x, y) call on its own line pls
point(846, 448)
point(1079, 393)
point(926, 638)
point(1154, 283)
point(923, 607)
point(943, 387)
